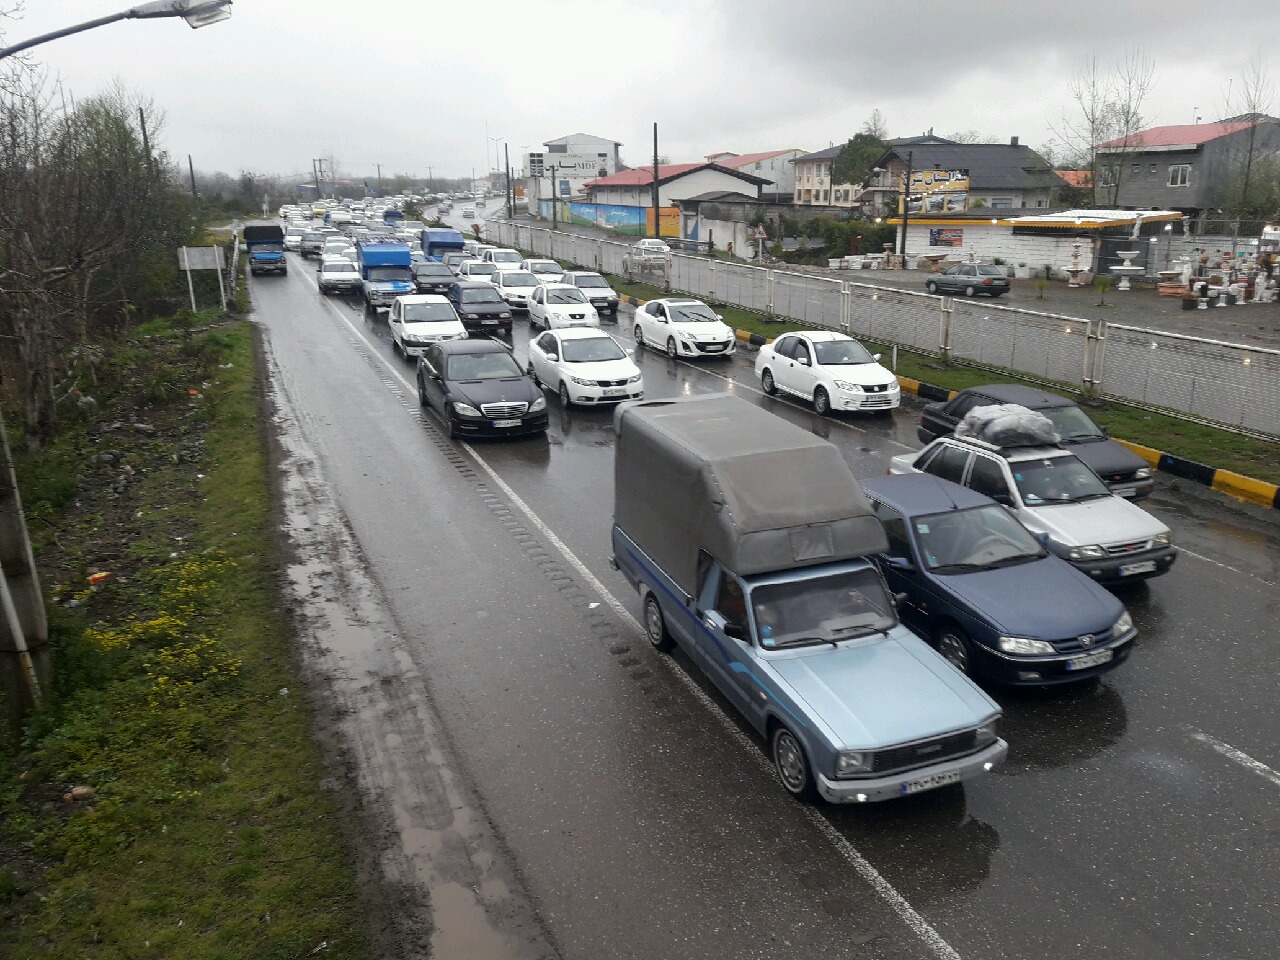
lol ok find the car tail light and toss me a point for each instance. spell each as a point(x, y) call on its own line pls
point(986, 283)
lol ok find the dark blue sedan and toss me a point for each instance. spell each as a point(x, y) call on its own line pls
point(981, 588)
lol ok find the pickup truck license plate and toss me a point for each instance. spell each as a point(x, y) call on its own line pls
point(1090, 660)
point(1129, 569)
point(931, 783)
point(1126, 490)
point(615, 391)
point(506, 423)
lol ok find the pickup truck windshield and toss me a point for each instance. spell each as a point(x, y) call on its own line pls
point(268, 247)
point(961, 541)
point(390, 273)
point(824, 610)
point(1056, 480)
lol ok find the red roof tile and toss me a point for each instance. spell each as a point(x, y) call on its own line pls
point(642, 175)
point(1076, 178)
point(1187, 133)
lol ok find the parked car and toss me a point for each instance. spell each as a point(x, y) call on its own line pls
point(514, 286)
point(547, 271)
point(970, 279)
point(585, 366)
point(560, 305)
point(650, 253)
point(431, 276)
point(684, 328)
point(479, 390)
point(479, 307)
point(1057, 497)
point(418, 320)
point(988, 596)
point(338, 275)
point(1126, 473)
point(596, 287)
point(832, 370)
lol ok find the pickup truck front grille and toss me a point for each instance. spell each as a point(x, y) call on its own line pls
point(1124, 549)
point(924, 752)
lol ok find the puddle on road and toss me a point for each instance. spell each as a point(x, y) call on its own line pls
point(442, 887)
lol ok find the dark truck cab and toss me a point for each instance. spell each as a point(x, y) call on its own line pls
point(266, 249)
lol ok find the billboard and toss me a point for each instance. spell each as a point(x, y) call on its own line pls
point(936, 191)
point(946, 237)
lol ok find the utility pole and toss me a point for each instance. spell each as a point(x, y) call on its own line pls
point(511, 189)
point(379, 166)
point(906, 202)
point(657, 227)
point(192, 168)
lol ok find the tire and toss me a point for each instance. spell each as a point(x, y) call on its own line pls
point(821, 402)
point(396, 348)
point(672, 352)
point(955, 648)
point(564, 396)
point(970, 291)
point(767, 384)
point(449, 428)
point(931, 287)
point(791, 764)
point(533, 375)
point(639, 335)
point(655, 625)
point(422, 394)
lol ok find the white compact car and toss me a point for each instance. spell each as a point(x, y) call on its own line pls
point(834, 371)
point(514, 286)
point(683, 328)
point(293, 239)
point(585, 366)
point(503, 258)
point(553, 305)
point(547, 271)
point(476, 270)
point(418, 320)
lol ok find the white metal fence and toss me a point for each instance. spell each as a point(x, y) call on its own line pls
point(1226, 383)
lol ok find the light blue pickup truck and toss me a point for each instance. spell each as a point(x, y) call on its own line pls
point(749, 542)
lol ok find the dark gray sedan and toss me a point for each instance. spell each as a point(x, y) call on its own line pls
point(970, 279)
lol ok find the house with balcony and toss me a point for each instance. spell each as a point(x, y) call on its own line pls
point(1192, 168)
point(813, 186)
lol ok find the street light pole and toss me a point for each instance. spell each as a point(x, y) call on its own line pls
point(197, 13)
point(906, 202)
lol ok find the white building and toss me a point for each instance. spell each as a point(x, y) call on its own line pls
point(568, 163)
point(676, 181)
point(775, 165)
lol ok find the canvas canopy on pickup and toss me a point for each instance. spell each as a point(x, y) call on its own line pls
point(719, 474)
point(263, 233)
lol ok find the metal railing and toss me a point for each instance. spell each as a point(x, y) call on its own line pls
point(1226, 384)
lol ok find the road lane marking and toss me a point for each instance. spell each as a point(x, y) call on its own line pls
point(1237, 756)
point(914, 921)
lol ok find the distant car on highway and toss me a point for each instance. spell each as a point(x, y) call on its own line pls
point(477, 270)
point(970, 279)
point(468, 211)
point(547, 271)
point(648, 254)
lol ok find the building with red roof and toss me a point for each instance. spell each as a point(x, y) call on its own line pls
point(676, 181)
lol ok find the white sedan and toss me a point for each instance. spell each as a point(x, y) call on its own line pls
point(547, 271)
point(684, 328)
point(554, 305)
point(419, 320)
point(514, 286)
point(835, 372)
point(585, 366)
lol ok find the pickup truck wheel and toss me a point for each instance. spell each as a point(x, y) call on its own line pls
point(821, 402)
point(672, 352)
point(639, 335)
point(655, 627)
point(791, 764)
point(767, 384)
point(954, 647)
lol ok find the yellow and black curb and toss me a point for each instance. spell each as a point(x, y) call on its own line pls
point(1234, 484)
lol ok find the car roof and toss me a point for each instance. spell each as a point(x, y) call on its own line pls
point(913, 494)
point(1032, 398)
point(819, 335)
point(1011, 453)
point(472, 346)
point(581, 333)
point(423, 298)
point(675, 301)
point(558, 286)
point(473, 284)
point(583, 273)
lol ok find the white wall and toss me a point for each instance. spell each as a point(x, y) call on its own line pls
point(701, 181)
point(724, 232)
point(988, 242)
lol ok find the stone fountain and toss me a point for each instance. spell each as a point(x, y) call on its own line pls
point(1127, 269)
point(1073, 272)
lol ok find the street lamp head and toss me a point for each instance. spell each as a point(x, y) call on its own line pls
point(197, 13)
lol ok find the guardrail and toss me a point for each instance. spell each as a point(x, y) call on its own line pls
point(1229, 385)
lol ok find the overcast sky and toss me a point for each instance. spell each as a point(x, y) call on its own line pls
point(413, 83)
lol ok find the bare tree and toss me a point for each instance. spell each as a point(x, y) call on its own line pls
point(1109, 106)
point(1251, 102)
point(876, 125)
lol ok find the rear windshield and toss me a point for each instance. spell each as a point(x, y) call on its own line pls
point(988, 271)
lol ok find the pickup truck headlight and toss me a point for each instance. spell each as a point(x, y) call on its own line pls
point(989, 732)
point(465, 409)
point(1123, 625)
point(1142, 473)
point(538, 405)
point(1091, 552)
point(850, 763)
point(1025, 647)
point(505, 315)
point(471, 316)
point(1163, 539)
point(847, 387)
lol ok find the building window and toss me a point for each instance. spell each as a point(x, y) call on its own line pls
point(1137, 167)
point(1153, 168)
point(1179, 174)
point(757, 164)
point(797, 194)
point(826, 196)
point(1002, 203)
point(1107, 177)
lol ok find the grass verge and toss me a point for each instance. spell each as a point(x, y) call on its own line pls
point(1259, 459)
point(176, 701)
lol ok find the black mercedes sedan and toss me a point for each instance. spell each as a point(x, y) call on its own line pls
point(479, 390)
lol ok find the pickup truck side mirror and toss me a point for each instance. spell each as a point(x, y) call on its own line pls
point(1042, 538)
point(1004, 499)
point(900, 563)
point(735, 631)
point(899, 599)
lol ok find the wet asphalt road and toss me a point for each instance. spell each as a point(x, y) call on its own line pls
point(637, 818)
